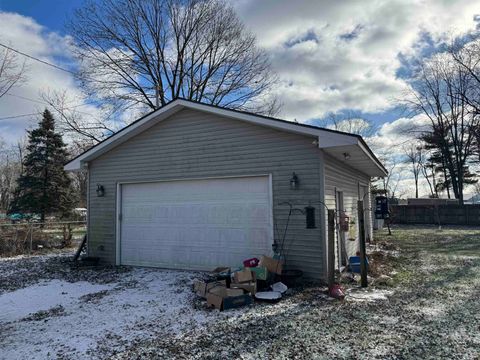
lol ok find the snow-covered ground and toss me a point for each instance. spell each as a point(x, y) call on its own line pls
point(55, 318)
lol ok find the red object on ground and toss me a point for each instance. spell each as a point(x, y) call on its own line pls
point(253, 262)
point(336, 292)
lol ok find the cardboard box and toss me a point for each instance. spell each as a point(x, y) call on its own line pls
point(244, 275)
point(201, 288)
point(215, 298)
point(249, 287)
point(235, 292)
point(223, 298)
point(273, 265)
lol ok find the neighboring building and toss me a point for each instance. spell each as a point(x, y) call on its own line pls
point(473, 200)
point(80, 212)
point(194, 186)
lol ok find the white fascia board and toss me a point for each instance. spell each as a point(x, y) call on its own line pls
point(375, 161)
point(328, 139)
point(73, 165)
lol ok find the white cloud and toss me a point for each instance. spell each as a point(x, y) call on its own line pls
point(26, 35)
point(344, 55)
point(393, 136)
point(329, 56)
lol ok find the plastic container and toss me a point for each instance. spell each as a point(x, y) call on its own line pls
point(261, 273)
point(268, 296)
point(354, 264)
point(253, 262)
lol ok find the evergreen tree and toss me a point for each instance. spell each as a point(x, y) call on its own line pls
point(452, 174)
point(44, 187)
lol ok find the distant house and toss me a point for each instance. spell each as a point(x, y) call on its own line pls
point(475, 199)
point(195, 186)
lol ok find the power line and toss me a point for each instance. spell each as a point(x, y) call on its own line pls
point(37, 59)
point(43, 103)
point(48, 104)
point(38, 101)
point(25, 98)
point(18, 116)
point(53, 65)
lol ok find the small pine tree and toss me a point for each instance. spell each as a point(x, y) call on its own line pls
point(44, 186)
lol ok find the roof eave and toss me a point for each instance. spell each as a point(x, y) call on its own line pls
point(326, 138)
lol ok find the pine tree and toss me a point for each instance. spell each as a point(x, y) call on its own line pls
point(44, 187)
point(452, 175)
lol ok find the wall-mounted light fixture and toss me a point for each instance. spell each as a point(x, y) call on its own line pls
point(346, 156)
point(294, 182)
point(100, 190)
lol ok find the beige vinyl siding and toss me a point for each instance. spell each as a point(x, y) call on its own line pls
point(340, 177)
point(194, 144)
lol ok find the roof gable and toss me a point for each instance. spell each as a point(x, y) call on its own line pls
point(326, 138)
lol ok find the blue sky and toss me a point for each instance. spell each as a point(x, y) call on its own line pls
point(331, 57)
point(49, 13)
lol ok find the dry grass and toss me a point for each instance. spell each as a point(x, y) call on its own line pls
point(22, 239)
point(430, 311)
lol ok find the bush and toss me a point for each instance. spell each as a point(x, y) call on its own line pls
point(23, 238)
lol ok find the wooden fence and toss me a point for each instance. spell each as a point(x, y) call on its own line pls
point(436, 214)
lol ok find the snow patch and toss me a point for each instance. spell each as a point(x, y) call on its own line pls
point(367, 295)
point(43, 296)
point(142, 304)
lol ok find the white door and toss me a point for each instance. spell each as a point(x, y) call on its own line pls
point(195, 224)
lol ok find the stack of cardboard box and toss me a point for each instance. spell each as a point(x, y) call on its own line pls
point(245, 279)
point(221, 296)
point(226, 290)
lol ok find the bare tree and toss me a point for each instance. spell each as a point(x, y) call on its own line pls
point(351, 122)
point(84, 129)
point(145, 53)
point(10, 170)
point(429, 173)
point(414, 157)
point(466, 53)
point(12, 70)
point(79, 178)
point(438, 91)
point(389, 184)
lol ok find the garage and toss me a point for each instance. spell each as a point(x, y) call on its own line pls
point(194, 224)
point(190, 186)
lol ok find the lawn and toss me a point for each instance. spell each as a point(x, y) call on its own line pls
point(422, 302)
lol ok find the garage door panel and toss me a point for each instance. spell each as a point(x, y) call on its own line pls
point(195, 224)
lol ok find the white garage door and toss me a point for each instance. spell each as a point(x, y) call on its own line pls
point(195, 224)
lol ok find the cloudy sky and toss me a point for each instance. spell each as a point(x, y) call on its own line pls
point(331, 56)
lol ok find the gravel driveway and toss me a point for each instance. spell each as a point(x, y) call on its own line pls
point(427, 308)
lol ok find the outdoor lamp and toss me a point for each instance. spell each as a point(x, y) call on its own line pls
point(100, 190)
point(294, 182)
